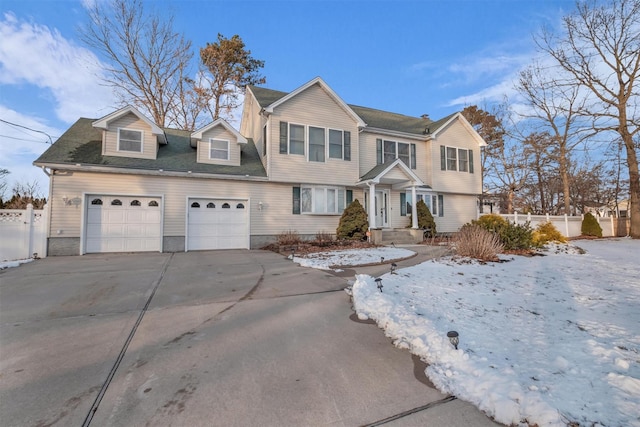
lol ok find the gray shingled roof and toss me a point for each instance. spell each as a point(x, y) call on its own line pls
point(82, 143)
point(372, 117)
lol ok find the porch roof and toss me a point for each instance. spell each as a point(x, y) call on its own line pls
point(381, 174)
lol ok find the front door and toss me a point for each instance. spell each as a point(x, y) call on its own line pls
point(381, 209)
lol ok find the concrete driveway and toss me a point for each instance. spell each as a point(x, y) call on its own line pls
point(224, 338)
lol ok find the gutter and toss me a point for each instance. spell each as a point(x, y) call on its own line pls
point(418, 137)
point(78, 167)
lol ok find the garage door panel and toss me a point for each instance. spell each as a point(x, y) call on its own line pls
point(129, 225)
point(224, 226)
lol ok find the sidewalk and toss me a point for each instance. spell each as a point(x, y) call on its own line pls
point(423, 253)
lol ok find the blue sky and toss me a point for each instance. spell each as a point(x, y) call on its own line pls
point(408, 57)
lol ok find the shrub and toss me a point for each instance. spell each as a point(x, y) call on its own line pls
point(323, 238)
point(353, 223)
point(590, 226)
point(547, 232)
point(425, 219)
point(491, 222)
point(512, 236)
point(289, 237)
point(477, 242)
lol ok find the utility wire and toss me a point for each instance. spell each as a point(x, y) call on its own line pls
point(28, 128)
point(23, 139)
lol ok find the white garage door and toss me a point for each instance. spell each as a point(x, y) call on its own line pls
point(217, 224)
point(123, 224)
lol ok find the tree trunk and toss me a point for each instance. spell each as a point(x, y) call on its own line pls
point(634, 183)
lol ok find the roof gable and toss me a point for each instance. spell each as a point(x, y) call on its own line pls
point(317, 81)
point(103, 123)
point(442, 124)
point(377, 173)
point(219, 122)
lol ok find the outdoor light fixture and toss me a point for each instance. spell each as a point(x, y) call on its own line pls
point(379, 283)
point(381, 259)
point(393, 268)
point(259, 206)
point(453, 337)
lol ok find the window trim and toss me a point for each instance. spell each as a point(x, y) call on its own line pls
point(463, 162)
point(380, 152)
point(140, 131)
point(329, 130)
point(435, 199)
point(211, 149)
point(340, 199)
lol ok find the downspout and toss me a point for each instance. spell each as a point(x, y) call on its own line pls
point(49, 202)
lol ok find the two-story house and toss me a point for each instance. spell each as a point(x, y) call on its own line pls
point(121, 183)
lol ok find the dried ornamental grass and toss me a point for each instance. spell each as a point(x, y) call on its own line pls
point(476, 242)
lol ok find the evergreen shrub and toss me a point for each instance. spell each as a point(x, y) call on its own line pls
point(353, 223)
point(425, 219)
point(512, 236)
point(590, 226)
point(547, 232)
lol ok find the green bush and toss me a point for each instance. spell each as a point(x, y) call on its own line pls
point(546, 232)
point(590, 226)
point(512, 236)
point(353, 223)
point(491, 222)
point(425, 219)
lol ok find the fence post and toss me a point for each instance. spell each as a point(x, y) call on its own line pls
point(29, 221)
point(515, 217)
point(566, 225)
point(529, 216)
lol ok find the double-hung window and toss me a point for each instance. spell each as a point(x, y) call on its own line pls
point(296, 139)
point(388, 151)
point(456, 159)
point(130, 140)
point(316, 144)
point(435, 203)
point(219, 149)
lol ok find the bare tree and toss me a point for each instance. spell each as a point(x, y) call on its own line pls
point(600, 49)
point(146, 59)
point(230, 68)
point(3, 181)
point(554, 105)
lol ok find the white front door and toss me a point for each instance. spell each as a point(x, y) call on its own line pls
point(381, 208)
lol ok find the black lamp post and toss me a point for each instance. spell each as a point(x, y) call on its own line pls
point(393, 268)
point(379, 283)
point(293, 253)
point(454, 338)
point(381, 260)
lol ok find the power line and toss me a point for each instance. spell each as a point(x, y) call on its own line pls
point(23, 139)
point(28, 128)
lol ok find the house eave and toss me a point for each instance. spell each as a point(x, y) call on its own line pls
point(396, 133)
point(145, 172)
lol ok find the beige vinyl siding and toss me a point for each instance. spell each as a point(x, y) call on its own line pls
point(456, 135)
point(395, 219)
point(275, 217)
point(130, 121)
point(312, 107)
point(459, 209)
point(368, 154)
point(204, 145)
point(252, 124)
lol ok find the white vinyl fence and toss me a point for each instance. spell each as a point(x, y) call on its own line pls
point(23, 233)
point(569, 226)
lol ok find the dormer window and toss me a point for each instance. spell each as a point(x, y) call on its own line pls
point(219, 149)
point(130, 140)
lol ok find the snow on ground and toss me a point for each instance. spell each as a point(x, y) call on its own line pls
point(8, 264)
point(354, 257)
point(544, 340)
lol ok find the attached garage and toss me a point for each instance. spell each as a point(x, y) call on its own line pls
point(217, 224)
point(123, 224)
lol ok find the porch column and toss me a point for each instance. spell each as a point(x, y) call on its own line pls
point(414, 208)
point(372, 205)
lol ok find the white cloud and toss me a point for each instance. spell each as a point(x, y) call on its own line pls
point(37, 55)
point(19, 147)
